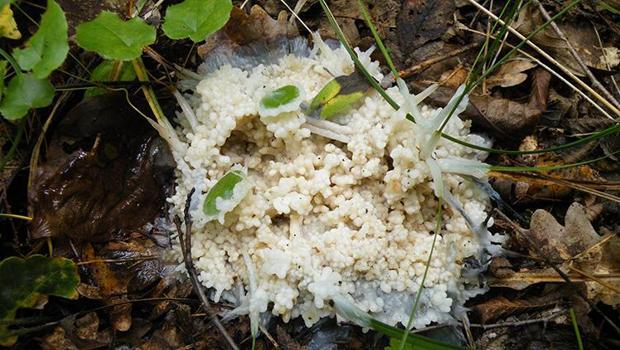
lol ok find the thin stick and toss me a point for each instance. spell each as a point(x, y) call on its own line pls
point(595, 279)
point(609, 105)
point(516, 323)
point(185, 239)
point(597, 84)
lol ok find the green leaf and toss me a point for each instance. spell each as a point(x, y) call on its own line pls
point(103, 72)
point(196, 19)
point(25, 92)
point(280, 97)
point(27, 283)
point(48, 47)
point(224, 190)
point(115, 39)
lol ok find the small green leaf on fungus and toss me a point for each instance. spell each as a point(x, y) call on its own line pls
point(224, 190)
point(27, 282)
point(115, 39)
point(25, 92)
point(280, 97)
point(196, 19)
point(48, 47)
point(103, 72)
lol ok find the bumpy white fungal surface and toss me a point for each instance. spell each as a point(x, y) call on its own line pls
point(323, 218)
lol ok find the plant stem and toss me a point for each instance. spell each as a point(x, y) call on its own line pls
point(149, 94)
point(573, 319)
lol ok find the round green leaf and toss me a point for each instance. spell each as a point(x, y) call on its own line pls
point(196, 19)
point(115, 39)
point(280, 97)
point(48, 47)
point(25, 92)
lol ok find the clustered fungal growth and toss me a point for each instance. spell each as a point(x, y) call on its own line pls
point(292, 210)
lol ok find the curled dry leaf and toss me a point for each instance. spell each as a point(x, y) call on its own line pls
point(107, 174)
point(510, 73)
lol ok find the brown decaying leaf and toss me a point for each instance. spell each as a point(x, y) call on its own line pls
point(560, 243)
point(57, 339)
point(511, 73)
point(501, 307)
point(107, 174)
point(581, 35)
point(500, 116)
point(112, 289)
point(421, 21)
point(242, 29)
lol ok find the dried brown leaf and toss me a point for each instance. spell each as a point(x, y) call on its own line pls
point(421, 21)
point(57, 339)
point(510, 73)
point(501, 307)
point(112, 289)
point(559, 243)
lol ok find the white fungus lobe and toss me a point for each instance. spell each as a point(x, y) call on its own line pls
point(345, 213)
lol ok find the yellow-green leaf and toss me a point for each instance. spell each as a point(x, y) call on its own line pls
point(27, 282)
point(8, 26)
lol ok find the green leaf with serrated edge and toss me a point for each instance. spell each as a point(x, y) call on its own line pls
point(280, 97)
point(115, 39)
point(48, 47)
point(27, 282)
point(196, 19)
point(103, 72)
point(223, 188)
point(25, 92)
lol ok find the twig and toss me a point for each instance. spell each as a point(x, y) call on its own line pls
point(516, 323)
point(185, 240)
point(595, 279)
point(597, 84)
point(406, 73)
point(521, 231)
